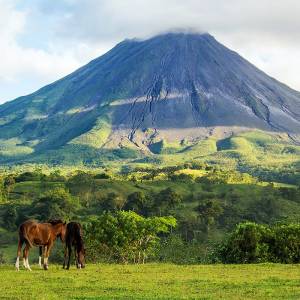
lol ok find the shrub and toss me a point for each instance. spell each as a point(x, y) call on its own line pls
point(30, 176)
point(56, 204)
point(285, 246)
point(247, 244)
point(2, 259)
point(254, 243)
point(175, 250)
point(125, 236)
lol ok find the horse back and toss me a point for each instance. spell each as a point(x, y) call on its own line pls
point(35, 233)
point(73, 233)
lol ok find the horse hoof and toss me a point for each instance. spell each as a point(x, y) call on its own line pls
point(45, 267)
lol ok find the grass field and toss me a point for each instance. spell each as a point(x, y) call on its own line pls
point(153, 281)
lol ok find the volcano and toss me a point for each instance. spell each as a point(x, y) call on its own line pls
point(175, 88)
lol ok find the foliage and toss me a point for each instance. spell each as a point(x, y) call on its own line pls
point(10, 217)
point(252, 243)
point(2, 259)
point(113, 201)
point(30, 176)
point(167, 199)
point(205, 210)
point(56, 204)
point(247, 244)
point(173, 248)
point(125, 236)
point(82, 185)
point(208, 211)
point(285, 246)
point(138, 202)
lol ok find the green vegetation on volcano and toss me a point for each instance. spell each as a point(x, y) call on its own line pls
point(269, 157)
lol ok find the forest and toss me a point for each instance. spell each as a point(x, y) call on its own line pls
point(186, 214)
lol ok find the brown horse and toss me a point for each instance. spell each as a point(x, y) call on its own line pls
point(43, 235)
point(74, 239)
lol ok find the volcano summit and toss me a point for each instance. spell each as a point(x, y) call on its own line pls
point(175, 88)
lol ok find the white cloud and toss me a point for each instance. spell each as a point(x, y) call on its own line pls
point(24, 69)
point(42, 40)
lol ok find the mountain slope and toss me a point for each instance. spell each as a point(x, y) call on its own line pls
point(174, 89)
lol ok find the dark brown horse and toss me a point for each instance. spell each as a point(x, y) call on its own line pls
point(74, 239)
point(43, 235)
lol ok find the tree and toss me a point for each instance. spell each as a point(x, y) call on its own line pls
point(36, 175)
point(137, 202)
point(2, 190)
point(10, 217)
point(56, 204)
point(56, 176)
point(125, 236)
point(9, 182)
point(208, 212)
point(253, 243)
point(167, 199)
point(82, 184)
point(113, 201)
point(248, 243)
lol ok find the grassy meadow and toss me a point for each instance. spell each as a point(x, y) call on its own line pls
point(153, 281)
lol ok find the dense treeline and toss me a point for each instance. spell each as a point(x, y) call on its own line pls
point(205, 201)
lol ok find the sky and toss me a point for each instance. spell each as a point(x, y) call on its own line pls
point(44, 40)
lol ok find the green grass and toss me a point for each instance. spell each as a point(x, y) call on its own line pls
point(153, 281)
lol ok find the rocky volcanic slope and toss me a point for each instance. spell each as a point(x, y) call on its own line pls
point(179, 88)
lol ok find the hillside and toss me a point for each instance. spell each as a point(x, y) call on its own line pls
point(169, 97)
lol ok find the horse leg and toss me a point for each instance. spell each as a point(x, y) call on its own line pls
point(40, 256)
point(65, 257)
point(46, 254)
point(76, 258)
point(78, 264)
point(69, 257)
point(25, 257)
point(17, 265)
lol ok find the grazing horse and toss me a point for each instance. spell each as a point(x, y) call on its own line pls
point(74, 239)
point(43, 235)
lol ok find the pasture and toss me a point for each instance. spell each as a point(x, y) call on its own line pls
point(153, 281)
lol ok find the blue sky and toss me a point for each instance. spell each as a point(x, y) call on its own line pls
point(43, 40)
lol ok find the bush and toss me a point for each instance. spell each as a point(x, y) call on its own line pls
point(125, 236)
point(247, 244)
point(30, 176)
point(254, 243)
point(2, 259)
point(175, 250)
point(56, 204)
point(285, 246)
point(10, 217)
point(102, 176)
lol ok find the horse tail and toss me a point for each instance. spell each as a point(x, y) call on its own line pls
point(23, 235)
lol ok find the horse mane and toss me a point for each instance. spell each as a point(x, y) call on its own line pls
point(55, 221)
